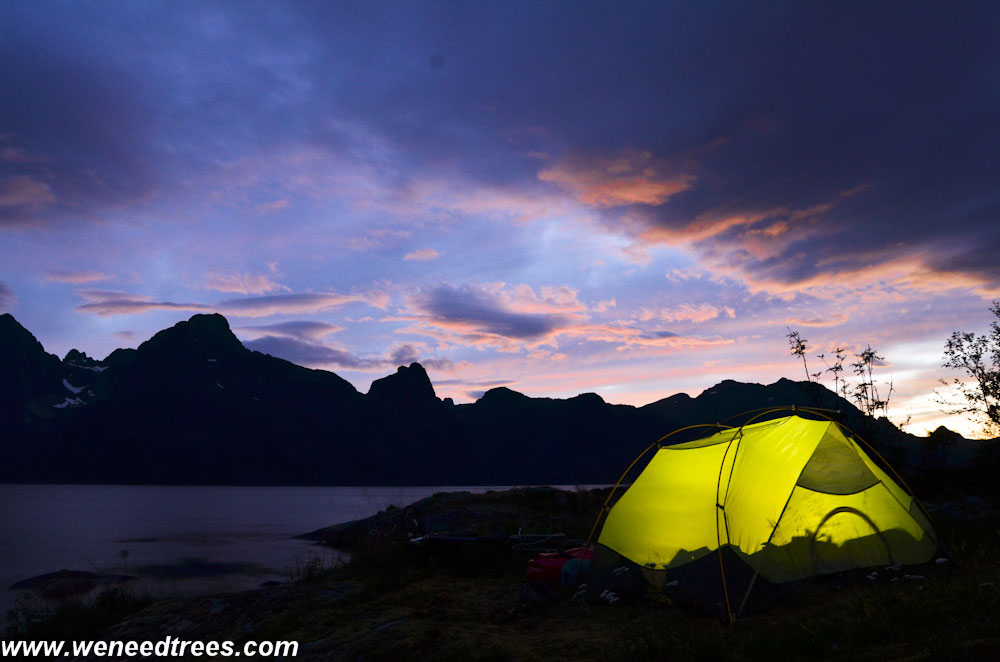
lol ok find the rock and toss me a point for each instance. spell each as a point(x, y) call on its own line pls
point(528, 509)
point(64, 584)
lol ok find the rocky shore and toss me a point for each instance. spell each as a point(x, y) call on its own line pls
point(529, 510)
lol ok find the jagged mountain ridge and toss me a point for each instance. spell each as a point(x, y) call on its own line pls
point(193, 405)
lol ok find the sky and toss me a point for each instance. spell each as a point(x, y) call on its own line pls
point(632, 199)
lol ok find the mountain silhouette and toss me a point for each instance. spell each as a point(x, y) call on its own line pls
point(28, 375)
point(192, 405)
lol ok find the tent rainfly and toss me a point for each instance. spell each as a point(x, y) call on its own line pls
point(790, 497)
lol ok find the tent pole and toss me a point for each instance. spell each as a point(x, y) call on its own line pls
point(746, 595)
point(722, 507)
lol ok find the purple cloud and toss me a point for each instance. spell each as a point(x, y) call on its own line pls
point(310, 353)
point(318, 355)
point(242, 283)
point(7, 298)
point(300, 330)
point(105, 303)
point(407, 354)
point(477, 310)
point(76, 277)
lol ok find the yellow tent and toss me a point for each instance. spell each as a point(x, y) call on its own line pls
point(791, 497)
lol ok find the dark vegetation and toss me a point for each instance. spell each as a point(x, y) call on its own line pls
point(978, 356)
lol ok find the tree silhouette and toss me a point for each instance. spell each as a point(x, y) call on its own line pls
point(979, 357)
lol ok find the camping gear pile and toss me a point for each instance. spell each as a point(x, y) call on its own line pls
point(550, 575)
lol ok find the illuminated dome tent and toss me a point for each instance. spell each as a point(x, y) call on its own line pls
point(789, 497)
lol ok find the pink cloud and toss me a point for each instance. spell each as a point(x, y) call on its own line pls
point(423, 254)
point(604, 306)
point(273, 206)
point(242, 283)
point(632, 177)
point(76, 277)
point(7, 298)
point(376, 238)
point(702, 228)
point(764, 250)
point(517, 319)
point(287, 304)
point(316, 354)
point(629, 338)
point(549, 299)
point(24, 191)
point(303, 330)
point(106, 303)
point(19, 156)
point(888, 280)
point(421, 198)
point(835, 319)
point(504, 317)
point(690, 313)
point(444, 199)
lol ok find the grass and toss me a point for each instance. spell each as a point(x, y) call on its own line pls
point(312, 568)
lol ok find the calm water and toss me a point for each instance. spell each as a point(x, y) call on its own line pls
point(179, 540)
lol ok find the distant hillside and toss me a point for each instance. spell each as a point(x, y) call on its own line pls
point(193, 405)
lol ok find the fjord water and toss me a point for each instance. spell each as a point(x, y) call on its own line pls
point(178, 539)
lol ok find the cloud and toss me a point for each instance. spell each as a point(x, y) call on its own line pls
point(77, 128)
point(748, 144)
point(629, 178)
point(422, 254)
point(23, 191)
point(562, 300)
point(301, 330)
point(408, 353)
point(242, 283)
point(716, 142)
point(473, 389)
point(76, 277)
point(310, 354)
point(106, 303)
point(835, 319)
point(273, 206)
point(377, 238)
point(517, 319)
point(484, 383)
point(635, 337)
point(7, 298)
point(287, 304)
point(478, 312)
point(23, 199)
point(687, 313)
point(508, 318)
point(318, 355)
point(17, 155)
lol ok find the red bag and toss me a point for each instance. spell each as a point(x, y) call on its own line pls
point(547, 568)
